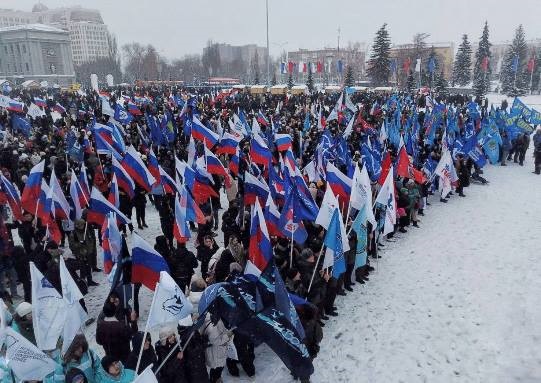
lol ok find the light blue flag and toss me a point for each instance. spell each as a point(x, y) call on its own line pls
point(333, 241)
point(360, 228)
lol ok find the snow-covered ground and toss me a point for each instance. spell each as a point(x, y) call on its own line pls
point(457, 300)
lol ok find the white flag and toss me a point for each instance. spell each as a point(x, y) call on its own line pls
point(361, 194)
point(447, 173)
point(326, 210)
point(34, 111)
point(147, 376)
point(386, 198)
point(349, 128)
point(349, 104)
point(106, 107)
point(418, 65)
point(76, 315)
point(25, 360)
point(256, 129)
point(191, 151)
point(48, 310)
point(169, 304)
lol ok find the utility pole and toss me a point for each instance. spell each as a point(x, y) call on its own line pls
point(268, 54)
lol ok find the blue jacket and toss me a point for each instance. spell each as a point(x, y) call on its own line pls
point(506, 143)
point(126, 376)
point(90, 364)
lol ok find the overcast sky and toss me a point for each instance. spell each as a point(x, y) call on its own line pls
point(179, 27)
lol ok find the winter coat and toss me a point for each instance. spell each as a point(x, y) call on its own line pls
point(204, 254)
point(89, 364)
point(194, 357)
point(125, 376)
point(318, 289)
point(83, 247)
point(182, 265)
point(148, 356)
point(313, 336)
point(218, 339)
point(115, 337)
point(24, 327)
point(506, 144)
point(537, 138)
point(174, 370)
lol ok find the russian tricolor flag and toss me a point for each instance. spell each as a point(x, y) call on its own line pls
point(153, 165)
point(59, 108)
point(78, 197)
point(192, 212)
point(181, 231)
point(123, 179)
point(114, 195)
point(204, 134)
point(147, 263)
point(262, 119)
point(111, 242)
point(15, 106)
point(137, 169)
point(44, 203)
point(100, 207)
point(61, 207)
point(339, 182)
point(213, 164)
point(32, 188)
point(260, 249)
point(254, 188)
point(83, 183)
point(235, 162)
point(13, 197)
point(259, 151)
point(272, 216)
point(228, 144)
point(168, 183)
point(283, 142)
point(133, 109)
point(40, 102)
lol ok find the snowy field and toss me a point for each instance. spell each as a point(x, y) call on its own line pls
point(458, 300)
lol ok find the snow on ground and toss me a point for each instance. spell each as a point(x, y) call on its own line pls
point(457, 300)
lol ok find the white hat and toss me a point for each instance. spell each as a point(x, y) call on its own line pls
point(24, 308)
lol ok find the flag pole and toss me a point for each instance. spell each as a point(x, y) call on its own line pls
point(146, 331)
point(173, 350)
point(315, 268)
point(291, 252)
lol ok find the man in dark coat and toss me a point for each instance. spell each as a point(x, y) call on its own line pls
point(115, 336)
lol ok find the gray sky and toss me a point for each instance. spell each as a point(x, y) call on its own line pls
point(178, 27)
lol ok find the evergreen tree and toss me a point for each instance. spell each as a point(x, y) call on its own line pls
point(310, 79)
point(516, 82)
point(349, 79)
point(378, 65)
point(481, 70)
point(273, 80)
point(410, 82)
point(441, 85)
point(290, 82)
point(462, 66)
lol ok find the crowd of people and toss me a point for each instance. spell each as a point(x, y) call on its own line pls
point(66, 142)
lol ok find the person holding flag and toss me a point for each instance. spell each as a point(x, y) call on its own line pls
point(82, 243)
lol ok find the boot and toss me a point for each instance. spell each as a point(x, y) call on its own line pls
point(415, 224)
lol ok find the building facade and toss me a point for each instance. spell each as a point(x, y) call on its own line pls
point(332, 63)
point(89, 36)
point(36, 52)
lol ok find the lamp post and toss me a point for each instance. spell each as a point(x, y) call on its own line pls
point(268, 56)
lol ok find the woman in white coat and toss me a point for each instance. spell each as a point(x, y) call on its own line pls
point(216, 352)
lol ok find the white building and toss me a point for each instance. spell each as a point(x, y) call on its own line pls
point(87, 32)
point(36, 52)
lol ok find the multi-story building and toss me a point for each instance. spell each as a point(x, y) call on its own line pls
point(332, 62)
point(88, 34)
point(36, 52)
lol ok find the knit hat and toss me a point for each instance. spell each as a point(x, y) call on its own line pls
point(306, 253)
point(24, 308)
point(198, 284)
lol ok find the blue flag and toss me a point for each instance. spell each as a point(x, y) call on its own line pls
point(121, 115)
point(20, 124)
point(514, 65)
point(333, 241)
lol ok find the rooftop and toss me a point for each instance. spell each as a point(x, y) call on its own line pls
point(33, 27)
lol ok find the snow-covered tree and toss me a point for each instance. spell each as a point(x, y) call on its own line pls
point(481, 70)
point(290, 82)
point(378, 65)
point(514, 75)
point(441, 85)
point(462, 65)
point(349, 79)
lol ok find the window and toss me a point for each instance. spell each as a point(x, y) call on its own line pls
point(27, 67)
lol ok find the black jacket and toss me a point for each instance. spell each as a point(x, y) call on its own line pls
point(148, 357)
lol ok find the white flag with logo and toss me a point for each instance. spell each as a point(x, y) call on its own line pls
point(25, 360)
point(76, 315)
point(147, 376)
point(386, 198)
point(48, 310)
point(328, 205)
point(361, 194)
point(169, 304)
point(34, 111)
